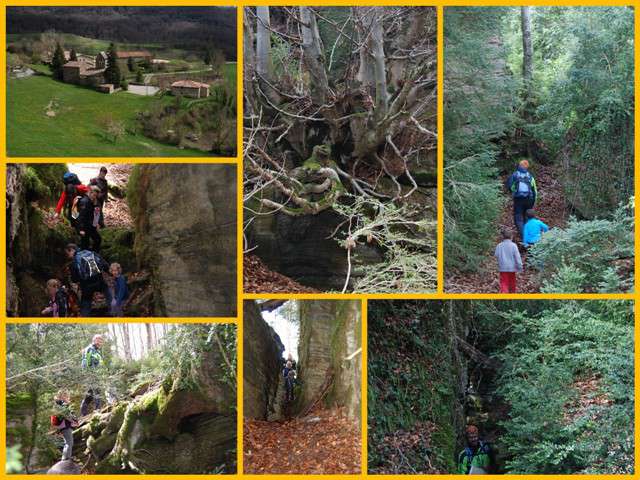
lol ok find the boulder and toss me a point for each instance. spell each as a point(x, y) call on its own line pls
point(65, 467)
point(301, 248)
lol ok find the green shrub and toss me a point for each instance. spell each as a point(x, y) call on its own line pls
point(567, 375)
point(582, 257)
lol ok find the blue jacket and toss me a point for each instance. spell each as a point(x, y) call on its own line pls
point(121, 290)
point(533, 231)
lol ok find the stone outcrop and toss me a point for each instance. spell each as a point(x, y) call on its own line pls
point(262, 353)
point(34, 251)
point(185, 218)
point(300, 248)
point(330, 337)
point(186, 425)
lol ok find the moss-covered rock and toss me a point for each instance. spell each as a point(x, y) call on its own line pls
point(118, 246)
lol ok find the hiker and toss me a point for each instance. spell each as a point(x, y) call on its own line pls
point(117, 290)
point(477, 457)
point(103, 196)
point(533, 229)
point(287, 367)
point(73, 191)
point(523, 189)
point(289, 383)
point(290, 359)
point(58, 302)
point(64, 421)
point(91, 362)
point(509, 262)
point(88, 221)
point(86, 271)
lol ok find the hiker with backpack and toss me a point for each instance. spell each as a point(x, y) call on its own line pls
point(89, 220)
point(522, 186)
point(87, 271)
point(73, 191)
point(64, 421)
point(290, 381)
point(477, 456)
point(103, 196)
point(117, 290)
point(533, 229)
point(91, 363)
point(58, 301)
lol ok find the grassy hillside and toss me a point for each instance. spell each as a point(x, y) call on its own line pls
point(76, 129)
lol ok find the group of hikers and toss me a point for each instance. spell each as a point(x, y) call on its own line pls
point(522, 187)
point(290, 377)
point(63, 419)
point(88, 273)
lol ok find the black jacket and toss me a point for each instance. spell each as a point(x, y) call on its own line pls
point(86, 209)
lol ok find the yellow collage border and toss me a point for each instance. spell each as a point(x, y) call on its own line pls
point(237, 161)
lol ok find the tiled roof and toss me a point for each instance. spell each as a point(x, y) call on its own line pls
point(189, 84)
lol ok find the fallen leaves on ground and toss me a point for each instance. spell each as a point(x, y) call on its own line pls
point(324, 442)
point(551, 209)
point(258, 278)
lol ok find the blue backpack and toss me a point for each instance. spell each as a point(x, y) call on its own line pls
point(87, 265)
point(71, 178)
point(522, 185)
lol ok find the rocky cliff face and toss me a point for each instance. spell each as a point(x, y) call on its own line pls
point(330, 334)
point(34, 251)
point(186, 224)
point(301, 248)
point(262, 353)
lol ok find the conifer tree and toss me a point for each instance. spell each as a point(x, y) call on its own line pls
point(57, 62)
point(112, 73)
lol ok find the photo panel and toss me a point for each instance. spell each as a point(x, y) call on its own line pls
point(121, 398)
point(340, 137)
point(539, 149)
point(302, 364)
point(134, 81)
point(121, 240)
point(501, 387)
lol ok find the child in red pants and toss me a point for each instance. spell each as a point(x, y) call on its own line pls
point(509, 262)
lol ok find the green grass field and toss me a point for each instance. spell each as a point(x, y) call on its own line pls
point(75, 129)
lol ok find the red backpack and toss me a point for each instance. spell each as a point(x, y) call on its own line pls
point(55, 421)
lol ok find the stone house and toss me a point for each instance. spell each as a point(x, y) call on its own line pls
point(190, 88)
point(81, 73)
point(123, 58)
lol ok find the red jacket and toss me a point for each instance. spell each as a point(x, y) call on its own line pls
point(80, 189)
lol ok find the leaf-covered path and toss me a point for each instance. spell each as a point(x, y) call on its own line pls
point(552, 210)
point(323, 442)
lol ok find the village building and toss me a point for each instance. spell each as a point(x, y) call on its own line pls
point(102, 58)
point(190, 88)
point(81, 73)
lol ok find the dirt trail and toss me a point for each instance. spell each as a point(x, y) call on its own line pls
point(323, 442)
point(552, 210)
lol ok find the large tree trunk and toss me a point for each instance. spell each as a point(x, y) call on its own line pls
point(263, 45)
point(314, 55)
point(372, 73)
point(527, 47)
point(527, 72)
